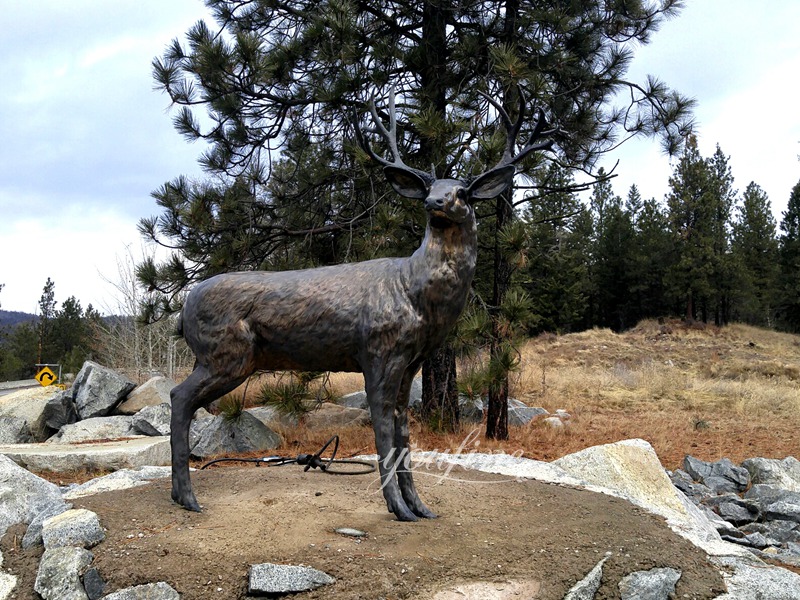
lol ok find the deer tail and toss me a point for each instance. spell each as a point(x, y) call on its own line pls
point(179, 325)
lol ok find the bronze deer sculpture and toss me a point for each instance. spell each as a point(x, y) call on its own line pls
point(379, 317)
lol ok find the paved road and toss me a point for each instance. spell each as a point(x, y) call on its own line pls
point(6, 387)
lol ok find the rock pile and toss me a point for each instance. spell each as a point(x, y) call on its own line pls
point(104, 405)
point(756, 505)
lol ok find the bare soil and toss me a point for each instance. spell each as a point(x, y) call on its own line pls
point(492, 528)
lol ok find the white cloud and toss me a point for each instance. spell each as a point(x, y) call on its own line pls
point(75, 249)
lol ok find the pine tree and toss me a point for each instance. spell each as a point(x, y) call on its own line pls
point(789, 293)
point(691, 213)
point(613, 268)
point(722, 195)
point(754, 248)
point(652, 256)
point(285, 77)
point(47, 310)
point(556, 275)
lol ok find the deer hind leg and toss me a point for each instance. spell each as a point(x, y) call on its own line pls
point(199, 389)
point(404, 473)
point(383, 385)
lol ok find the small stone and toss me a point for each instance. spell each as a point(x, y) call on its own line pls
point(76, 527)
point(269, 578)
point(148, 591)
point(553, 422)
point(351, 532)
point(655, 584)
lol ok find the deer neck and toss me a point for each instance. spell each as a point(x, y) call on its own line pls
point(443, 266)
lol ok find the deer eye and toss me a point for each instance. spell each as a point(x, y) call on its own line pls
point(461, 194)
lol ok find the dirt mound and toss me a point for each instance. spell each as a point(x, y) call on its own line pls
point(491, 528)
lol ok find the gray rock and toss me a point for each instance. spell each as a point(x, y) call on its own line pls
point(776, 532)
point(696, 492)
point(415, 394)
point(470, 409)
point(721, 476)
point(201, 421)
point(756, 540)
point(724, 527)
point(514, 403)
point(152, 392)
point(587, 587)
point(59, 575)
point(243, 434)
point(95, 428)
point(153, 420)
point(272, 417)
point(780, 556)
point(328, 415)
point(33, 535)
point(76, 527)
point(120, 454)
point(354, 400)
point(784, 473)
point(93, 584)
point(553, 422)
point(349, 531)
point(269, 578)
point(759, 582)
point(23, 495)
point(30, 407)
point(149, 591)
point(655, 584)
point(734, 509)
point(7, 584)
point(630, 469)
point(522, 415)
point(98, 389)
point(119, 480)
point(14, 430)
point(60, 410)
point(782, 510)
point(766, 494)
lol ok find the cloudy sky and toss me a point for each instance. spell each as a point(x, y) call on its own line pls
point(86, 138)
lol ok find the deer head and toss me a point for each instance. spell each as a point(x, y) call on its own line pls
point(449, 201)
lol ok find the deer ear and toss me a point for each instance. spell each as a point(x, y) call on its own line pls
point(406, 183)
point(492, 183)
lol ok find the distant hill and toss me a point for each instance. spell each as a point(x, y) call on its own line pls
point(11, 317)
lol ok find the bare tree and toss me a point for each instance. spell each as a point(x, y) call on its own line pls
point(140, 350)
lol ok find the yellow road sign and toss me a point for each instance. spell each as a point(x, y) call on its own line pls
point(46, 377)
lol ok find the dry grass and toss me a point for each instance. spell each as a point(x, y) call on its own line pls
point(710, 392)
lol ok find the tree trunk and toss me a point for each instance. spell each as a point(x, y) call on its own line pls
point(439, 391)
point(497, 414)
point(439, 407)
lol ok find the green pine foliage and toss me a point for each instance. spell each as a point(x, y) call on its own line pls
point(272, 89)
point(789, 288)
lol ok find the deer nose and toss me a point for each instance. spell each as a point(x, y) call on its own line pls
point(434, 203)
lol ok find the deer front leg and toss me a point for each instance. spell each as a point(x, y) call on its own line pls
point(199, 389)
point(404, 473)
point(382, 396)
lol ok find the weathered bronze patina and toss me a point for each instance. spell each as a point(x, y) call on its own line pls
point(380, 317)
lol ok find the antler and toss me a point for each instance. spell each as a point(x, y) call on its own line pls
point(509, 158)
point(390, 136)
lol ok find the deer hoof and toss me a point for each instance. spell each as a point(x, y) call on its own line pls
point(188, 503)
point(404, 514)
point(424, 512)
